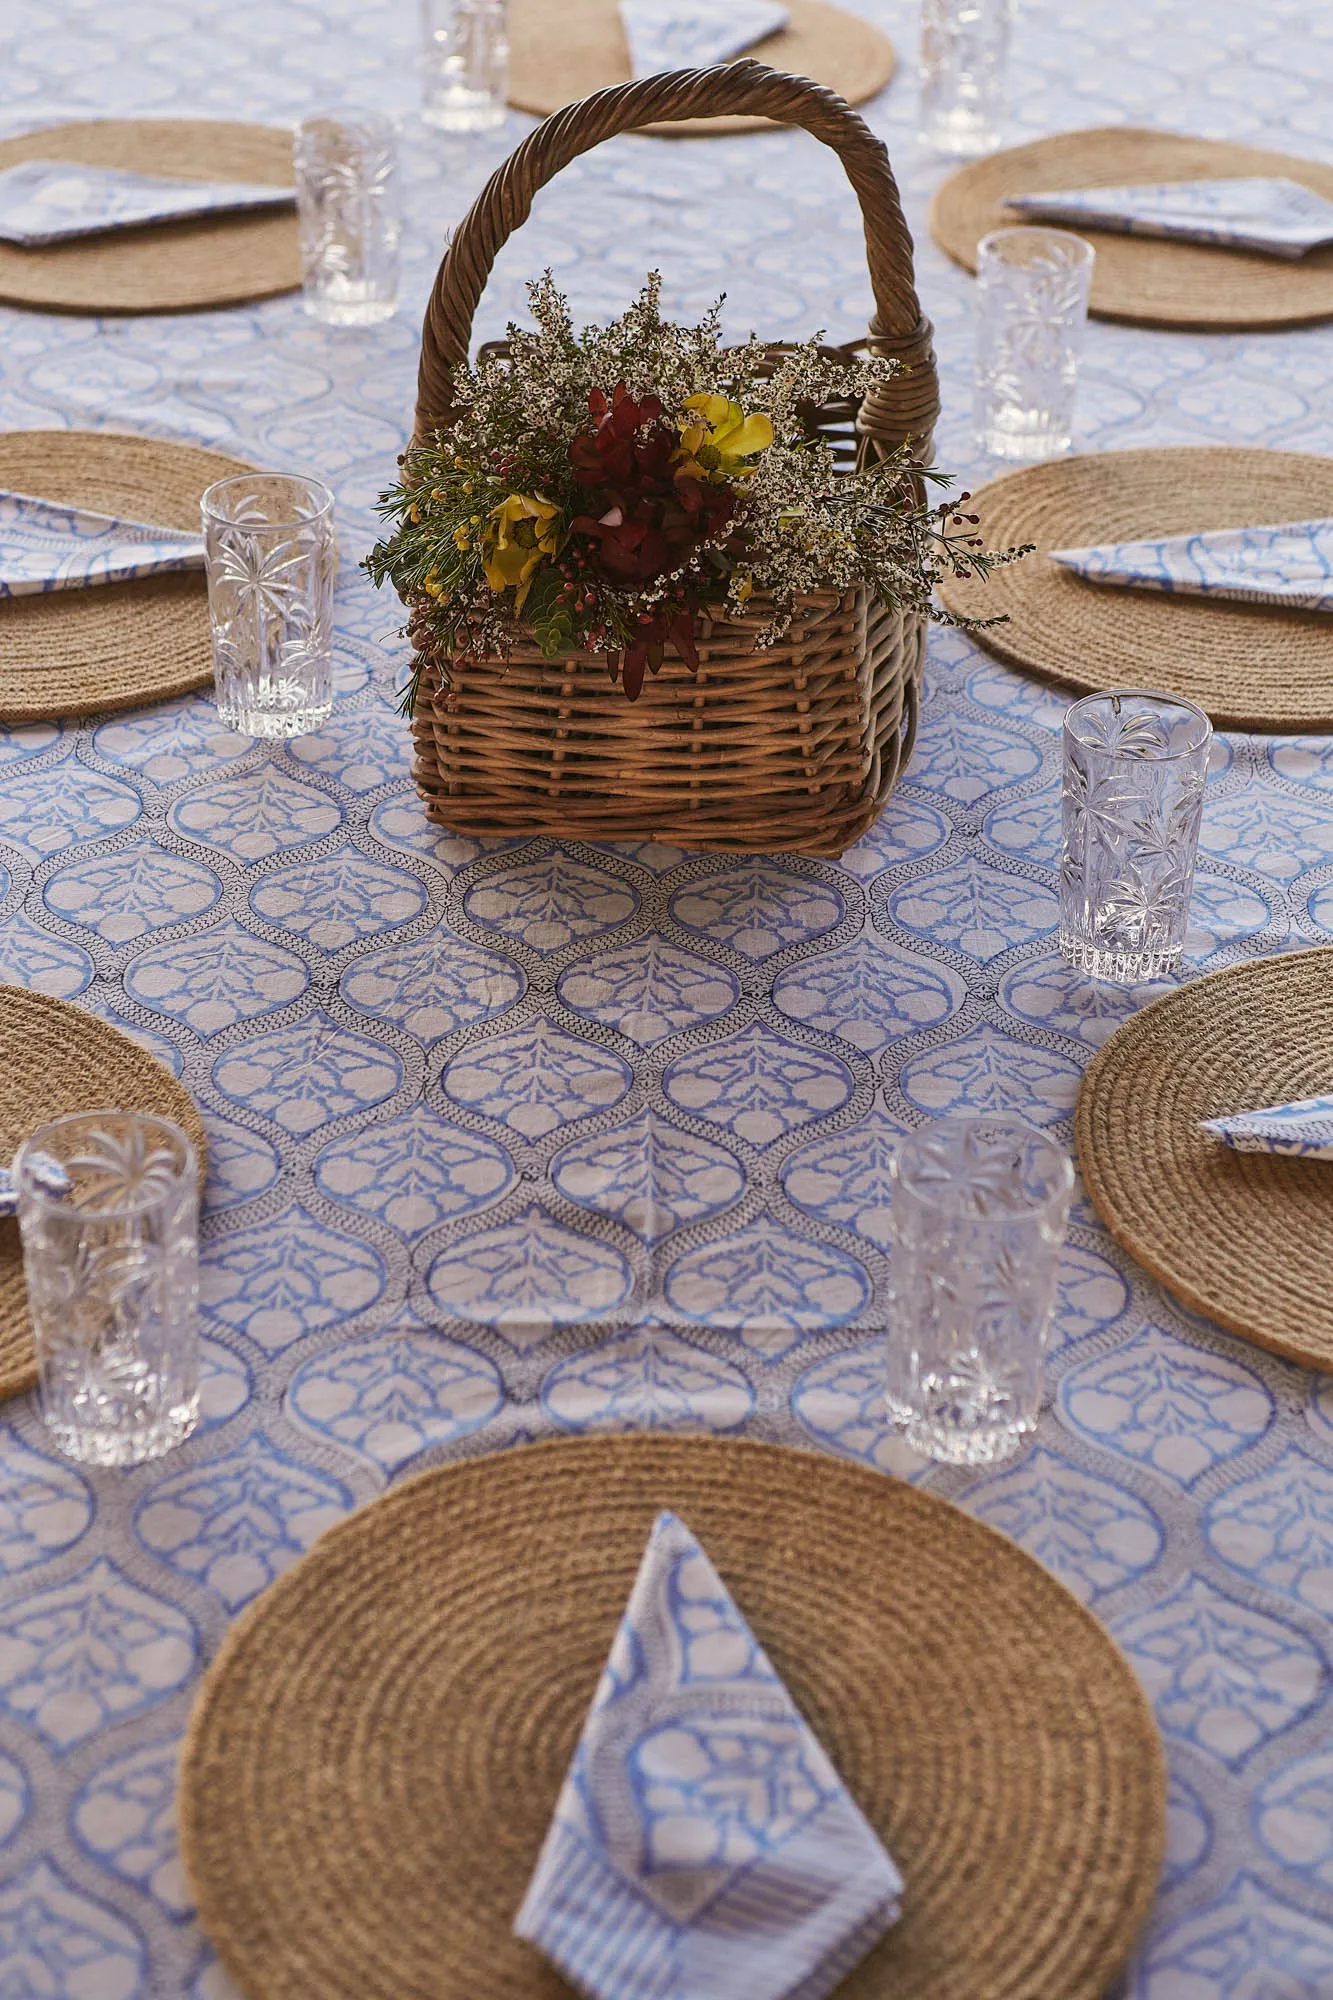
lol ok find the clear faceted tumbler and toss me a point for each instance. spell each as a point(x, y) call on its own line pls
point(964, 48)
point(349, 204)
point(1135, 764)
point(464, 64)
point(272, 562)
point(1032, 310)
point(980, 1205)
point(112, 1269)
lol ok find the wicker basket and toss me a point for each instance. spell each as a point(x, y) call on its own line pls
point(792, 748)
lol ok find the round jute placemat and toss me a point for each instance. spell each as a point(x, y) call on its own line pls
point(172, 266)
point(1246, 1238)
point(1145, 279)
point(56, 1058)
point(376, 1752)
point(560, 53)
point(110, 645)
point(1249, 665)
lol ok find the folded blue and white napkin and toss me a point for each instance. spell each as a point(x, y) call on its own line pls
point(703, 1846)
point(1305, 1127)
point(1278, 216)
point(51, 201)
point(46, 546)
point(691, 34)
point(1290, 565)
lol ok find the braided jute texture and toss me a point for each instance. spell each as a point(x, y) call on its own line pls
point(170, 266)
point(55, 1058)
point(1143, 279)
point(559, 54)
point(1250, 666)
point(375, 1754)
point(794, 748)
point(1246, 1238)
point(107, 645)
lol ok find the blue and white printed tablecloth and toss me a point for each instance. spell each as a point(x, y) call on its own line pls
point(540, 1139)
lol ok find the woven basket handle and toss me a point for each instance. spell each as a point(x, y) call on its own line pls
point(906, 407)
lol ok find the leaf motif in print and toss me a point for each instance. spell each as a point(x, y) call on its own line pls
point(769, 1286)
point(256, 815)
point(648, 990)
point(44, 812)
point(1091, 1533)
point(303, 1076)
point(536, 1077)
point(758, 908)
point(847, 1177)
point(840, 1402)
point(33, 958)
point(433, 985)
point(966, 760)
point(1220, 1675)
point(549, 903)
point(1277, 1528)
point(868, 994)
point(338, 899)
point(58, 1943)
point(45, 1506)
point(391, 1397)
point(125, 1815)
point(975, 908)
point(1028, 827)
point(286, 1277)
point(988, 1072)
point(905, 831)
point(1178, 1409)
point(649, 1176)
point(214, 979)
point(1247, 1944)
point(89, 1651)
point(647, 1380)
point(171, 742)
point(528, 1276)
point(134, 890)
point(758, 1084)
point(1293, 1817)
point(413, 1172)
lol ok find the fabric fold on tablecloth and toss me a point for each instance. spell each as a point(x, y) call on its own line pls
point(681, 34)
point(45, 545)
point(1280, 217)
point(55, 201)
point(703, 1845)
point(1289, 565)
point(1303, 1127)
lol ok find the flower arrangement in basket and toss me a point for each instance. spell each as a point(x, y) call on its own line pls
point(660, 587)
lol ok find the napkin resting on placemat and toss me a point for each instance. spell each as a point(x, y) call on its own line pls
point(1304, 1126)
point(691, 34)
point(703, 1846)
point(46, 546)
point(1290, 565)
point(51, 201)
point(1279, 216)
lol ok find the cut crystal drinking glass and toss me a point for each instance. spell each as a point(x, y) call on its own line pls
point(348, 200)
point(1032, 309)
point(964, 48)
point(1135, 765)
point(980, 1206)
point(464, 64)
point(112, 1270)
point(272, 562)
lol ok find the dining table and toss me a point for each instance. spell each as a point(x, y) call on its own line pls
point(513, 1140)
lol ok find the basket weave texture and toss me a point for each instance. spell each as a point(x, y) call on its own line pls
point(792, 748)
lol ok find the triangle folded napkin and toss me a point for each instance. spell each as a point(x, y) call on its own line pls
point(52, 201)
point(675, 34)
point(1304, 1126)
point(1282, 217)
point(47, 546)
point(1290, 565)
point(703, 1846)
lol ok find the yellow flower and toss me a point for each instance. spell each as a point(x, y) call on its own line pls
point(714, 447)
point(519, 534)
